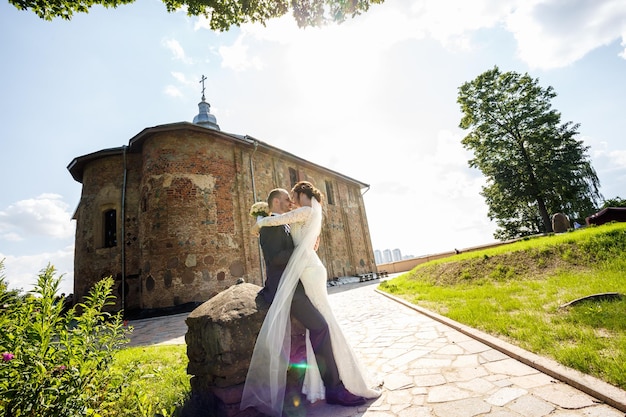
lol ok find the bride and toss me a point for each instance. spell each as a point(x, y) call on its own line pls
point(265, 382)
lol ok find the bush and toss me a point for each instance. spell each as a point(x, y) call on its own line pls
point(56, 362)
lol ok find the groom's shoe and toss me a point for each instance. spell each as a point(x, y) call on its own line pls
point(341, 396)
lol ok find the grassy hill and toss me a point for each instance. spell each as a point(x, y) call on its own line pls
point(517, 292)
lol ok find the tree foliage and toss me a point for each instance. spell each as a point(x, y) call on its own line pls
point(534, 165)
point(614, 202)
point(222, 14)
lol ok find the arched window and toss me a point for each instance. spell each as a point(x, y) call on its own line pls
point(110, 228)
point(330, 195)
point(293, 176)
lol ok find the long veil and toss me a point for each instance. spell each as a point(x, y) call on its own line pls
point(265, 383)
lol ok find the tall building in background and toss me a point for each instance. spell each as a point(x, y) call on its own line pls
point(378, 257)
point(388, 256)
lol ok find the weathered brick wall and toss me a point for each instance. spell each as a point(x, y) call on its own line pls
point(192, 243)
point(345, 246)
point(186, 225)
point(102, 185)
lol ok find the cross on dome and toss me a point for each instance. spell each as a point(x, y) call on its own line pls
point(202, 81)
point(204, 117)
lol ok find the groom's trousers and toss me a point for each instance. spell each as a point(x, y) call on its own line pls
point(306, 313)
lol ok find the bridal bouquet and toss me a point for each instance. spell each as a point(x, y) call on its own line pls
point(260, 209)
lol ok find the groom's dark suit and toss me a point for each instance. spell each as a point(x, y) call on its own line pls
point(277, 247)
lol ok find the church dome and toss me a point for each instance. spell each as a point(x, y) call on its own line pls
point(204, 117)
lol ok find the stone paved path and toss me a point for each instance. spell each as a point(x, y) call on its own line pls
point(429, 368)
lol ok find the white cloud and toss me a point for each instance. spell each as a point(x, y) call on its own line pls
point(549, 33)
point(434, 205)
point(10, 236)
point(177, 50)
point(181, 80)
point(623, 44)
point(606, 158)
point(180, 77)
point(21, 271)
point(45, 216)
point(202, 23)
point(618, 159)
point(172, 91)
point(236, 57)
point(553, 34)
point(451, 23)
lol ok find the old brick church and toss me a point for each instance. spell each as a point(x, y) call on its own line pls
point(167, 216)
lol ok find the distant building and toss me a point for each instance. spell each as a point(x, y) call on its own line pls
point(608, 214)
point(168, 215)
point(378, 257)
point(397, 255)
point(387, 257)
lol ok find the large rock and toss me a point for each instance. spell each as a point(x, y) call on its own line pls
point(220, 339)
point(560, 223)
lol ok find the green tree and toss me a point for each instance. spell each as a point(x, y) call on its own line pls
point(222, 14)
point(614, 202)
point(534, 165)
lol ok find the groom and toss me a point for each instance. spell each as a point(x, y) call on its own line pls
point(277, 247)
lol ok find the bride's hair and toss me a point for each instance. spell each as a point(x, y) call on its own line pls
point(305, 187)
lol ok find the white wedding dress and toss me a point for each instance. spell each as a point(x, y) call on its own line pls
point(265, 383)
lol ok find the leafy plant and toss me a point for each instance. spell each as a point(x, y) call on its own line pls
point(57, 363)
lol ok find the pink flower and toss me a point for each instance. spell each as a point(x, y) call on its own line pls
point(7, 356)
point(59, 369)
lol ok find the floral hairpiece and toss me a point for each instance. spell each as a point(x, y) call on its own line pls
point(260, 209)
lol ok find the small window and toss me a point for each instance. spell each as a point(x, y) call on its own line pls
point(329, 193)
point(110, 228)
point(293, 176)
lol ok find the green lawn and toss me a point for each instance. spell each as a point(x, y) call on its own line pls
point(516, 291)
point(157, 381)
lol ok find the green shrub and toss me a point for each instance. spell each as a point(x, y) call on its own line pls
point(57, 363)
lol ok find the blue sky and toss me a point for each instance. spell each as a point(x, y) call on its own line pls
point(373, 98)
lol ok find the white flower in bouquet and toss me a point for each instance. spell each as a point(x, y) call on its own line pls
point(260, 209)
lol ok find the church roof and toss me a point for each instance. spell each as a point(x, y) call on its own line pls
point(203, 122)
point(77, 166)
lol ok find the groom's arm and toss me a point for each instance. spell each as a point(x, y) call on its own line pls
point(273, 243)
